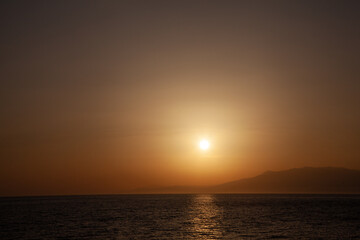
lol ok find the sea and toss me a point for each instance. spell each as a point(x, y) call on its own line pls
point(177, 216)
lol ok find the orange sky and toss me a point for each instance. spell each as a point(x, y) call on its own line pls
point(106, 97)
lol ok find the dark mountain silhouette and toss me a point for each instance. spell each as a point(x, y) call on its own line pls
point(297, 180)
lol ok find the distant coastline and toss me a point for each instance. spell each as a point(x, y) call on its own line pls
point(307, 180)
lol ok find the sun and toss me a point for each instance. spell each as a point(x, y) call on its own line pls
point(204, 144)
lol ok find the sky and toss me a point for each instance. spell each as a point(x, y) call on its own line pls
point(107, 96)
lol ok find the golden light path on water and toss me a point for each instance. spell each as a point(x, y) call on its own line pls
point(205, 217)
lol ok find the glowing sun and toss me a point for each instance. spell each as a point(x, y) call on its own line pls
point(204, 144)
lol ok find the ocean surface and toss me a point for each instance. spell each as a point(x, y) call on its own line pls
point(235, 216)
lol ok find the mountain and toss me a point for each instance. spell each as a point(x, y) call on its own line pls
point(297, 180)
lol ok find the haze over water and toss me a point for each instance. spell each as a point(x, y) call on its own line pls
point(99, 98)
point(209, 216)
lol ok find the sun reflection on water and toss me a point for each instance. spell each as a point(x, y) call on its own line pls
point(205, 217)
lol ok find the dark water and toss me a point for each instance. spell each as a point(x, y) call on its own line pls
point(181, 217)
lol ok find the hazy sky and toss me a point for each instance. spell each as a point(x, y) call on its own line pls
point(106, 96)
